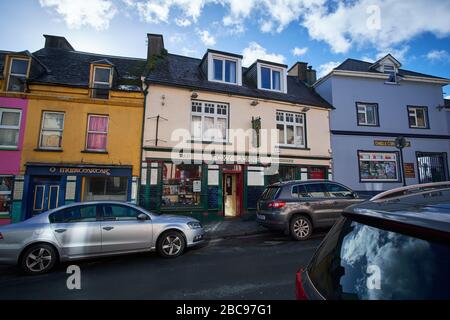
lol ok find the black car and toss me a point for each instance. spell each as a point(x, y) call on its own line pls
point(298, 207)
point(394, 247)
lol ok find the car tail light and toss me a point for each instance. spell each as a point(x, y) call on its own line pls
point(1, 236)
point(276, 204)
point(299, 291)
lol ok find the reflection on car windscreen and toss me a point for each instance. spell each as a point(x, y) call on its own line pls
point(363, 262)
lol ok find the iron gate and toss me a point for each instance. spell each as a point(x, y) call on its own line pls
point(432, 167)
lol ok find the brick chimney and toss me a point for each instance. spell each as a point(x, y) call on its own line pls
point(155, 45)
point(299, 71)
point(311, 76)
point(57, 42)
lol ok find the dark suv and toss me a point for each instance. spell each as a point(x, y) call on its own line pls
point(394, 247)
point(296, 207)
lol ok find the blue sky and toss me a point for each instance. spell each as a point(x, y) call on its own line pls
point(320, 32)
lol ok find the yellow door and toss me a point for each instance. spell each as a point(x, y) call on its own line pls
point(230, 198)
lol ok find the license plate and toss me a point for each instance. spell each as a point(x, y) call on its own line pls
point(261, 217)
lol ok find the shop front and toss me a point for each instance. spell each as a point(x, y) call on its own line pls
point(48, 186)
point(210, 189)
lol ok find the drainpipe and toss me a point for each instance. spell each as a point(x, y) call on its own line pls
point(144, 112)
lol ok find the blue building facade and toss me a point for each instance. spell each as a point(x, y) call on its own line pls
point(375, 103)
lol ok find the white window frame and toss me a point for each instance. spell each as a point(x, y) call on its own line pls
point(371, 154)
point(283, 77)
point(214, 115)
point(56, 130)
point(100, 82)
point(16, 74)
point(285, 123)
point(224, 58)
point(412, 111)
point(11, 127)
point(365, 105)
point(394, 70)
point(97, 132)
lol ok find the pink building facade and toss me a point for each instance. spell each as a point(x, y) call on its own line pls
point(13, 113)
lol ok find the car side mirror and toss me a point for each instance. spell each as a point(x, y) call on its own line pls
point(142, 217)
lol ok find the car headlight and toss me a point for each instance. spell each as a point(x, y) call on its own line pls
point(194, 225)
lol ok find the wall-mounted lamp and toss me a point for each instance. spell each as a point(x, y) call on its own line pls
point(163, 100)
point(254, 103)
point(306, 109)
point(194, 95)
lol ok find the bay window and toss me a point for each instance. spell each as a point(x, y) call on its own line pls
point(209, 121)
point(18, 72)
point(291, 129)
point(51, 130)
point(97, 133)
point(9, 127)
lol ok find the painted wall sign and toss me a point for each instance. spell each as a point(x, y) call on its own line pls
point(385, 143)
point(79, 170)
point(410, 172)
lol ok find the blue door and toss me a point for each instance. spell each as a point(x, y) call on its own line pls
point(45, 195)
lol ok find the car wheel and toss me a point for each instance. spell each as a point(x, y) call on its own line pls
point(38, 259)
point(171, 244)
point(301, 228)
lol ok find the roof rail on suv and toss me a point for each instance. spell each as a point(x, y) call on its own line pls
point(398, 192)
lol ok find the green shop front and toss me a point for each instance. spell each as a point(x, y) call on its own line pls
point(217, 188)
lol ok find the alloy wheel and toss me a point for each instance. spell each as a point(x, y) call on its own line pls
point(301, 228)
point(38, 259)
point(172, 245)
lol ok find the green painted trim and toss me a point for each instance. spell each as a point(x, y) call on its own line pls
point(245, 192)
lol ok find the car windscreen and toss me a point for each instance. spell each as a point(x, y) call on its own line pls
point(358, 261)
point(270, 193)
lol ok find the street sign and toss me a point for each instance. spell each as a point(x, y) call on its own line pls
point(385, 143)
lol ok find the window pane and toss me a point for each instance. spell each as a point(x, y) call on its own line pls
point(116, 212)
point(290, 134)
point(196, 127)
point(99, 124)
point(265, 78)
point(19, 67)
point(299, 136)
point(53, 121)
point(51, 139)
point(96, 141)
point(371, 117)
point(412, 119)
point(208, 127)
point(276, 80)
point(218, 69)
point(221, 128)
point(109, 188)
point(10, 118)
point(337, 191)
point(6, 184)
point(362, 118)
point(421, 118)
point(316, 190)
point(378, 166)
point(280, 128)
point(16, 83)
point(9, 137)
point(181, 185)
point(102, 75)
point(76, 214)
point(230, 71)
point(116, 185)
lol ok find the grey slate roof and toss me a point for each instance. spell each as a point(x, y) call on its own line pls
point(72, 68)
point(181, 71)
point(363, 66)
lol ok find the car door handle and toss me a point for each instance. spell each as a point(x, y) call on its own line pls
point(108, 228)
point(60, 230)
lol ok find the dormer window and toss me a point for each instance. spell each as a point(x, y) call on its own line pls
point(101, 82)
point(272, 78)
point(392, 72)
point(224, 70)
point(18, 73)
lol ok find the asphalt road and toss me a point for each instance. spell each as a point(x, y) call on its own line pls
point(257, 267)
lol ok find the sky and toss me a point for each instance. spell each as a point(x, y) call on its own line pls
point(321, 32)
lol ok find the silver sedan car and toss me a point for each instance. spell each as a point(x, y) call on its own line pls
point(94, 229)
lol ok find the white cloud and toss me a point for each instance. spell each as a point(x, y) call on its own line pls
point(254, 51)
point(297, 52)
point(326, 68)
point(76, 14)
point(438, 55)
point(183, 22)
point(447, 97)
point(380, 23)
point(207, 39)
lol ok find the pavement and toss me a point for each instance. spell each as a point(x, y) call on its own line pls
point(257, 267)
point(233, 227)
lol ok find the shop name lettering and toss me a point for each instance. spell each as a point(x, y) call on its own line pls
point(106, 172)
